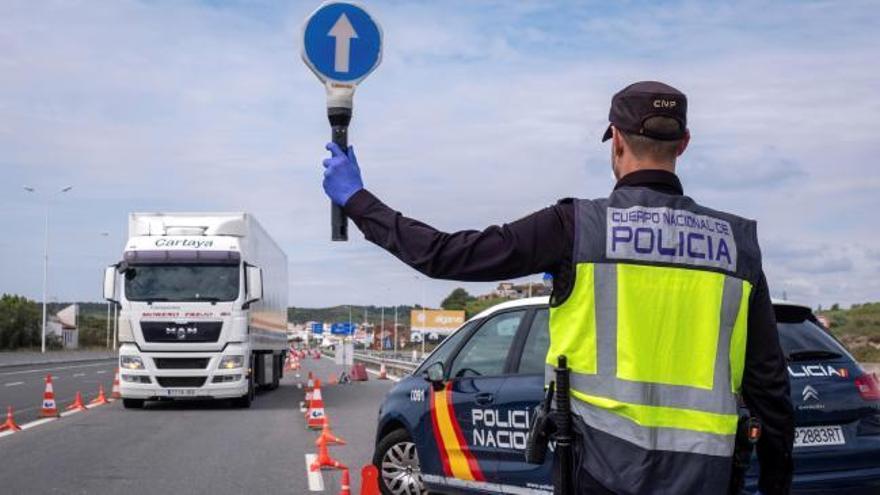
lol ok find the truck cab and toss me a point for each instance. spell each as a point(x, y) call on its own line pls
point(202, 301)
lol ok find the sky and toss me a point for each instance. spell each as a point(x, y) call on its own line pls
point(480, 113)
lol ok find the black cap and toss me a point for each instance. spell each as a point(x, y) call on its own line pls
point(636, 103)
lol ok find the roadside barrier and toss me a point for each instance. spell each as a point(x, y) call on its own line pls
point(77, 403)
point(315, 414)
point(332, 380)
point(327, 435)
point(370, 480)
point(115, 392)
point(10, 421)
point(101, 399)
point(49, 408)
point(345, 488)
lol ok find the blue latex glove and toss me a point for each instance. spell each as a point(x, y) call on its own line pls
point(342, 176)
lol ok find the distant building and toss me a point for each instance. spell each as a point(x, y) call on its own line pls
point(63, 325)
point(509, 290)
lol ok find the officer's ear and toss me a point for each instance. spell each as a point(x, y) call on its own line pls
point(684, 143)
point(617, 143)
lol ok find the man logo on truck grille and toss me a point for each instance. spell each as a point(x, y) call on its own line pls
point(181, 332)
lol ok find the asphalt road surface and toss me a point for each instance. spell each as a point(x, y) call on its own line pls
point(183, 447)
point(22, 386)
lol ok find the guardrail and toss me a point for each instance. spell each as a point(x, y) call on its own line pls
point(374, 360)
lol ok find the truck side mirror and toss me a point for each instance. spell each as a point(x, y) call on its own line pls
point(254, 285)
point(110, 284)
point(435, 374)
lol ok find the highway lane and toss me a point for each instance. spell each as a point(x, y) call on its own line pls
point(22, 386)
point(194, 447)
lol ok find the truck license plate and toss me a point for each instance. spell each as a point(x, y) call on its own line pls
point(181, 392)
point(815, 436)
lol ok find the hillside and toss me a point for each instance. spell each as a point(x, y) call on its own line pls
point(858, 328)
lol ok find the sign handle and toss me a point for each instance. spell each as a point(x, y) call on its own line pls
point(339, 118)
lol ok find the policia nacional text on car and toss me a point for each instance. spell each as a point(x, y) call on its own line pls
point(660, 305)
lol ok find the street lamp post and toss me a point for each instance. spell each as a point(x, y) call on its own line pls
point(107, 340)
point(33, 190)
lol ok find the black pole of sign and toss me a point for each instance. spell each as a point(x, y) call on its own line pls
point(339, 118)
point(563, 429)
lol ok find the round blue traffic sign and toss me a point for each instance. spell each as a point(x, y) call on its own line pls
point(342, 42)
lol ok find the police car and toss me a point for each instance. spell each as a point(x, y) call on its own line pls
point(459, 423)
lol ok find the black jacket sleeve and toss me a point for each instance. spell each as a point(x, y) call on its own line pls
point(537, 243)
point(766, 393)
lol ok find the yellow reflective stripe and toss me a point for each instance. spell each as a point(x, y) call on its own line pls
point(665, 417)
point(738, 340)
point(668, 322)
point(457, 460)
point(573, 324)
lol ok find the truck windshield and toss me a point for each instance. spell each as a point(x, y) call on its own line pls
point(182, 282)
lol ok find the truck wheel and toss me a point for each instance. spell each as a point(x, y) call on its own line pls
point(245, 400)
point(133, 403)
point(400, 472)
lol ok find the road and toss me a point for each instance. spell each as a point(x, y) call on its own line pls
point(187, 447)
point(22, 386)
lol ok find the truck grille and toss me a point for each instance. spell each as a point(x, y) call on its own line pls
point(168, 331)
point(181, 363)
point(181, 381)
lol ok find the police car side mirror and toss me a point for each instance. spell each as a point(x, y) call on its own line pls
point(435, 374)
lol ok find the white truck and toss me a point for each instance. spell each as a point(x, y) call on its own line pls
point(203, 308)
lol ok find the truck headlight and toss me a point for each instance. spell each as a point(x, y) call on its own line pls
point(231, 362)
point(131, 362)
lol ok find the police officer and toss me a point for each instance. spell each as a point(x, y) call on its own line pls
point(659, 303)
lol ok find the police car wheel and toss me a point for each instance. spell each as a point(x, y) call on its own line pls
point(399, 468)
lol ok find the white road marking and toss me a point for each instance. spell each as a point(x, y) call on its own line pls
point(316, 479)
point(77, 375)
point(37, 423)
point(5, 433)
point(14, 384)
point(68, 413)
point(101, 372)
point(9, 373)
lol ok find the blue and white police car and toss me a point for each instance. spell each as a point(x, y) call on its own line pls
point(460, 422)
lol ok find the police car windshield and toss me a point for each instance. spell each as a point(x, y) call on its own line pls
point(442, 352)
point(182, 282)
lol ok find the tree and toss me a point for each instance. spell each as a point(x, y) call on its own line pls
point(457, 299)
point(19, 322)
point(835, 307)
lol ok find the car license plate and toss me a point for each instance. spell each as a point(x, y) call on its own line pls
point(181, 392)
point(815, 436)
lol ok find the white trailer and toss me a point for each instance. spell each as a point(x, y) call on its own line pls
point(203, 307)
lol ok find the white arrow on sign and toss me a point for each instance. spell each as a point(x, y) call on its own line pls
point(343, 31)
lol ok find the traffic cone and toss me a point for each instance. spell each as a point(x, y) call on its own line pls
point(383, 372)
point(332, 380)
point(10, 421)
point(49, 408)
point(77, 403)
point(324, 460)
point(101, 399)
point(315, 417)
point(114, 392)
point(370, 480)
point(345, 488)
point(327, 435)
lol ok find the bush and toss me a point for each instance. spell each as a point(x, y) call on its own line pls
point(20, 322)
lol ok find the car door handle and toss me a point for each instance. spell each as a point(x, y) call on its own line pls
point(485, 399)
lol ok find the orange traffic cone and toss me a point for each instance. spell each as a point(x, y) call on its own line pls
point(370, 480)
point(327, 435)
point(10, 422)
point(114, 392)
point(101, 399)
point(316, 417)
point(333, 380)
point(345, 488)
point(324, 460)
point(49, 408)
point(77, 404)
point(383, 373)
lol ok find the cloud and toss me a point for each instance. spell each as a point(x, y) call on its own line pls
point(481, 113)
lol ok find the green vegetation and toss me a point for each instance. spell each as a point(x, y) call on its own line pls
point(858, 328)
point(458, 299)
